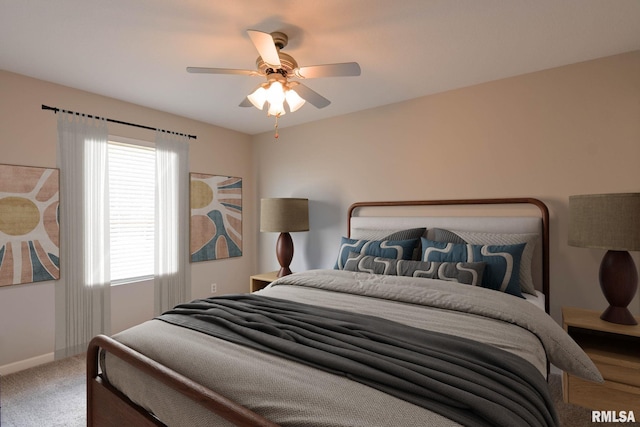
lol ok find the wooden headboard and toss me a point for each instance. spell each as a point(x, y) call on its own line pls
point(507, 215)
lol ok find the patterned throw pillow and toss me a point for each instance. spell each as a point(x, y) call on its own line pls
point(502, 270)
point(398, 249)
point(482, 238)
point(391, 234)
point(469, 273)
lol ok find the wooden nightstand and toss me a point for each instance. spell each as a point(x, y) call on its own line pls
point(615, 350)
point(259, 281)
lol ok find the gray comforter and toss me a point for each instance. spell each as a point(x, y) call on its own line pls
point(294, 394)
point(469, 382)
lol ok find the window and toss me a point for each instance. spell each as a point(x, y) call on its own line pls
point(131, 210)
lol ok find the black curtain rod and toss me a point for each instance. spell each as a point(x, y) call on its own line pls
point(55, 110)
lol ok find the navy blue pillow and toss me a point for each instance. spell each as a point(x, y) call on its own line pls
point(502, 270)
point(397, 249)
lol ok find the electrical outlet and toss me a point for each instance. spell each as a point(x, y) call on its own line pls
point(214, 288)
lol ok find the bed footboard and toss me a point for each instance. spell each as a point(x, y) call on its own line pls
point(107, 406)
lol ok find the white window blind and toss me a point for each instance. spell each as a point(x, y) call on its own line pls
point(132, 213)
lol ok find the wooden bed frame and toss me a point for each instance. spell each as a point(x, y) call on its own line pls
point(106, 406)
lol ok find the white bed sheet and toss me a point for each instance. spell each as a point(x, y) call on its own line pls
point(538, 299)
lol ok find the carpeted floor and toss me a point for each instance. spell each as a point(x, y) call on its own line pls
point(50, 395)
point(53, 395)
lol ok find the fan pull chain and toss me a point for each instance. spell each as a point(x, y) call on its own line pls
point(276, 128)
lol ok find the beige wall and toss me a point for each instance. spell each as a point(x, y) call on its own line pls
point(549, 134)
point(28, 137)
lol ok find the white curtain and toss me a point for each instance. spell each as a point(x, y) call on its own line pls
point(172, 272)
point(83, 303)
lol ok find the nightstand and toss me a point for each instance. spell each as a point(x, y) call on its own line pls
point(259, 281)
point(615, 350)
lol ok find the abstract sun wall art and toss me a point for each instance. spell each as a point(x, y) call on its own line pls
point(216, 217)
point(29, 226)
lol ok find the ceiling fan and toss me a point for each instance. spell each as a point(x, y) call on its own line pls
point(280, 70)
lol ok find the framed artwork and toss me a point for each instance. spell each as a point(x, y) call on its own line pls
point(29, 224)
point(216, 217)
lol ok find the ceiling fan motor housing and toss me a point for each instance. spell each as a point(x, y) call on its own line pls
point(287, 64)
point(280, 39)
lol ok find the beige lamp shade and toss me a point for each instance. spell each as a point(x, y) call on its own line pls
point(284, 215)
point(605, 221)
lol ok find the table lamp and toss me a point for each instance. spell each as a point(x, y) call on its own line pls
point(284, 215)
point(612, 222)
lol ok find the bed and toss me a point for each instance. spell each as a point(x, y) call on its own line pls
point(435, 313)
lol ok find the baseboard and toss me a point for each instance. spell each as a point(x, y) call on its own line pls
point(26, 364)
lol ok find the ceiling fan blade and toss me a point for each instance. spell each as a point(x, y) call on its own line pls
point(311, 96)
point(266, 47)
point(205, 70)
point(328, 70)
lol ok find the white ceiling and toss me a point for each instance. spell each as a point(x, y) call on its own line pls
point(137, 50)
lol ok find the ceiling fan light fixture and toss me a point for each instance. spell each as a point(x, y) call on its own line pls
point(276, 98)
point(294, 100)
point(276, 109)
point(275, 93)
point(258, 97)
